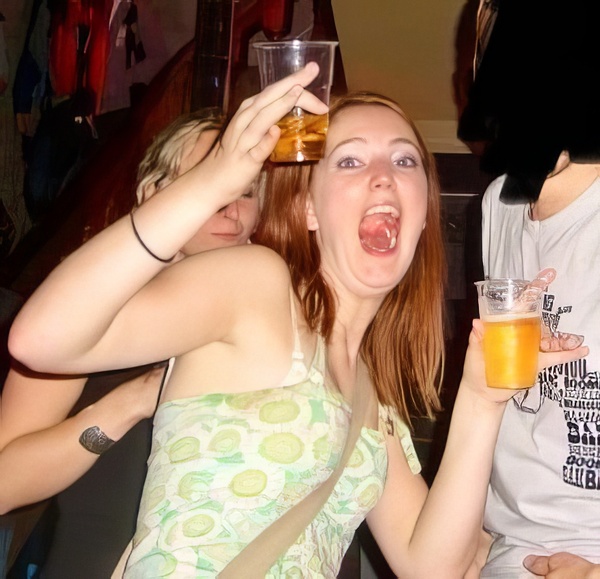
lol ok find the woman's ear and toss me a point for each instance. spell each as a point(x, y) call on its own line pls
point(311, 218)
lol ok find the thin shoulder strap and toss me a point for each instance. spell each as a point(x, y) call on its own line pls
point(258, 556)
point(297, 343)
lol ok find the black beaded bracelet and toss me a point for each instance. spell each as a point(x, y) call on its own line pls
point(137, 235)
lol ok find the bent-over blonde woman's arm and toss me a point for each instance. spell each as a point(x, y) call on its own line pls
point(40, 453)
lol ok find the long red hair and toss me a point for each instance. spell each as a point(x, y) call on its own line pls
point(404, 344)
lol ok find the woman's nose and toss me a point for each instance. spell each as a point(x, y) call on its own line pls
point(232, 211)
point(382, 178)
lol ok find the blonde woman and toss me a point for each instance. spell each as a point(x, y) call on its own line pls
point(42, 451)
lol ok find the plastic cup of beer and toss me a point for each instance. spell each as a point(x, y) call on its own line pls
point(512, 332)
point(302, 133)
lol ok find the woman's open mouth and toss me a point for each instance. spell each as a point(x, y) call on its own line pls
point(379, 228)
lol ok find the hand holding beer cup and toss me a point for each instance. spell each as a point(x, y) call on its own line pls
point(510, 310)
point(302, 133)
point(512, 332)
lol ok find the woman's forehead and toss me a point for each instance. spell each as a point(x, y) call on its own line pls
point(369, 121)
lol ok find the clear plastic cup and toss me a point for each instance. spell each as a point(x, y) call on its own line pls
point(302, 133)
point(512, 332)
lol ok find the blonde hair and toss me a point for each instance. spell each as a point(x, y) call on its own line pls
point(162, 162)
point(404, 344)
point(163, 157)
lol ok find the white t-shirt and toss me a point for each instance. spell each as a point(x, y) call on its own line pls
point(544, 495)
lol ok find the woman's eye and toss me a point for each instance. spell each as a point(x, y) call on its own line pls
point(406, 161)
point(348, 162)
point(248, 195)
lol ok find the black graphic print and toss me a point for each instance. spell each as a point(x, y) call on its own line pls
point(577, 390)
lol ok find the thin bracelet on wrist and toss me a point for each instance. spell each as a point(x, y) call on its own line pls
point(148, 250)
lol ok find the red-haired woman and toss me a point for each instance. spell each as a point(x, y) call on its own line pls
point(273, 344)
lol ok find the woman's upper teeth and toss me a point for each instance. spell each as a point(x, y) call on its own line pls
point(383, 209)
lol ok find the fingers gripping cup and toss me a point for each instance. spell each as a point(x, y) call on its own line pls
point(302, 133)
point(512, 330)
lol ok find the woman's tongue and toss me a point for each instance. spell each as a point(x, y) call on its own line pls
point(378, 231)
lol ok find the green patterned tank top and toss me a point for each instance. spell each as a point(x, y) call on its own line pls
point(223, 467)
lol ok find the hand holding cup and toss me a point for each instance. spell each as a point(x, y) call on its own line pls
point(251, 135)
point(303, 131)
point(514, 335)
point(510, 311)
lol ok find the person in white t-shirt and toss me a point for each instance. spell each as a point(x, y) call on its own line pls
point(543, 505)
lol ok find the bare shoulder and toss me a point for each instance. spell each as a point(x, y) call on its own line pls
point(251, 258)
point(216, 297)
point(249, 269)
point(237, 308)
point(218, 290)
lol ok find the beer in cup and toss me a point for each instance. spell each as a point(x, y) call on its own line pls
point(302, 133)
point(512, 332)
